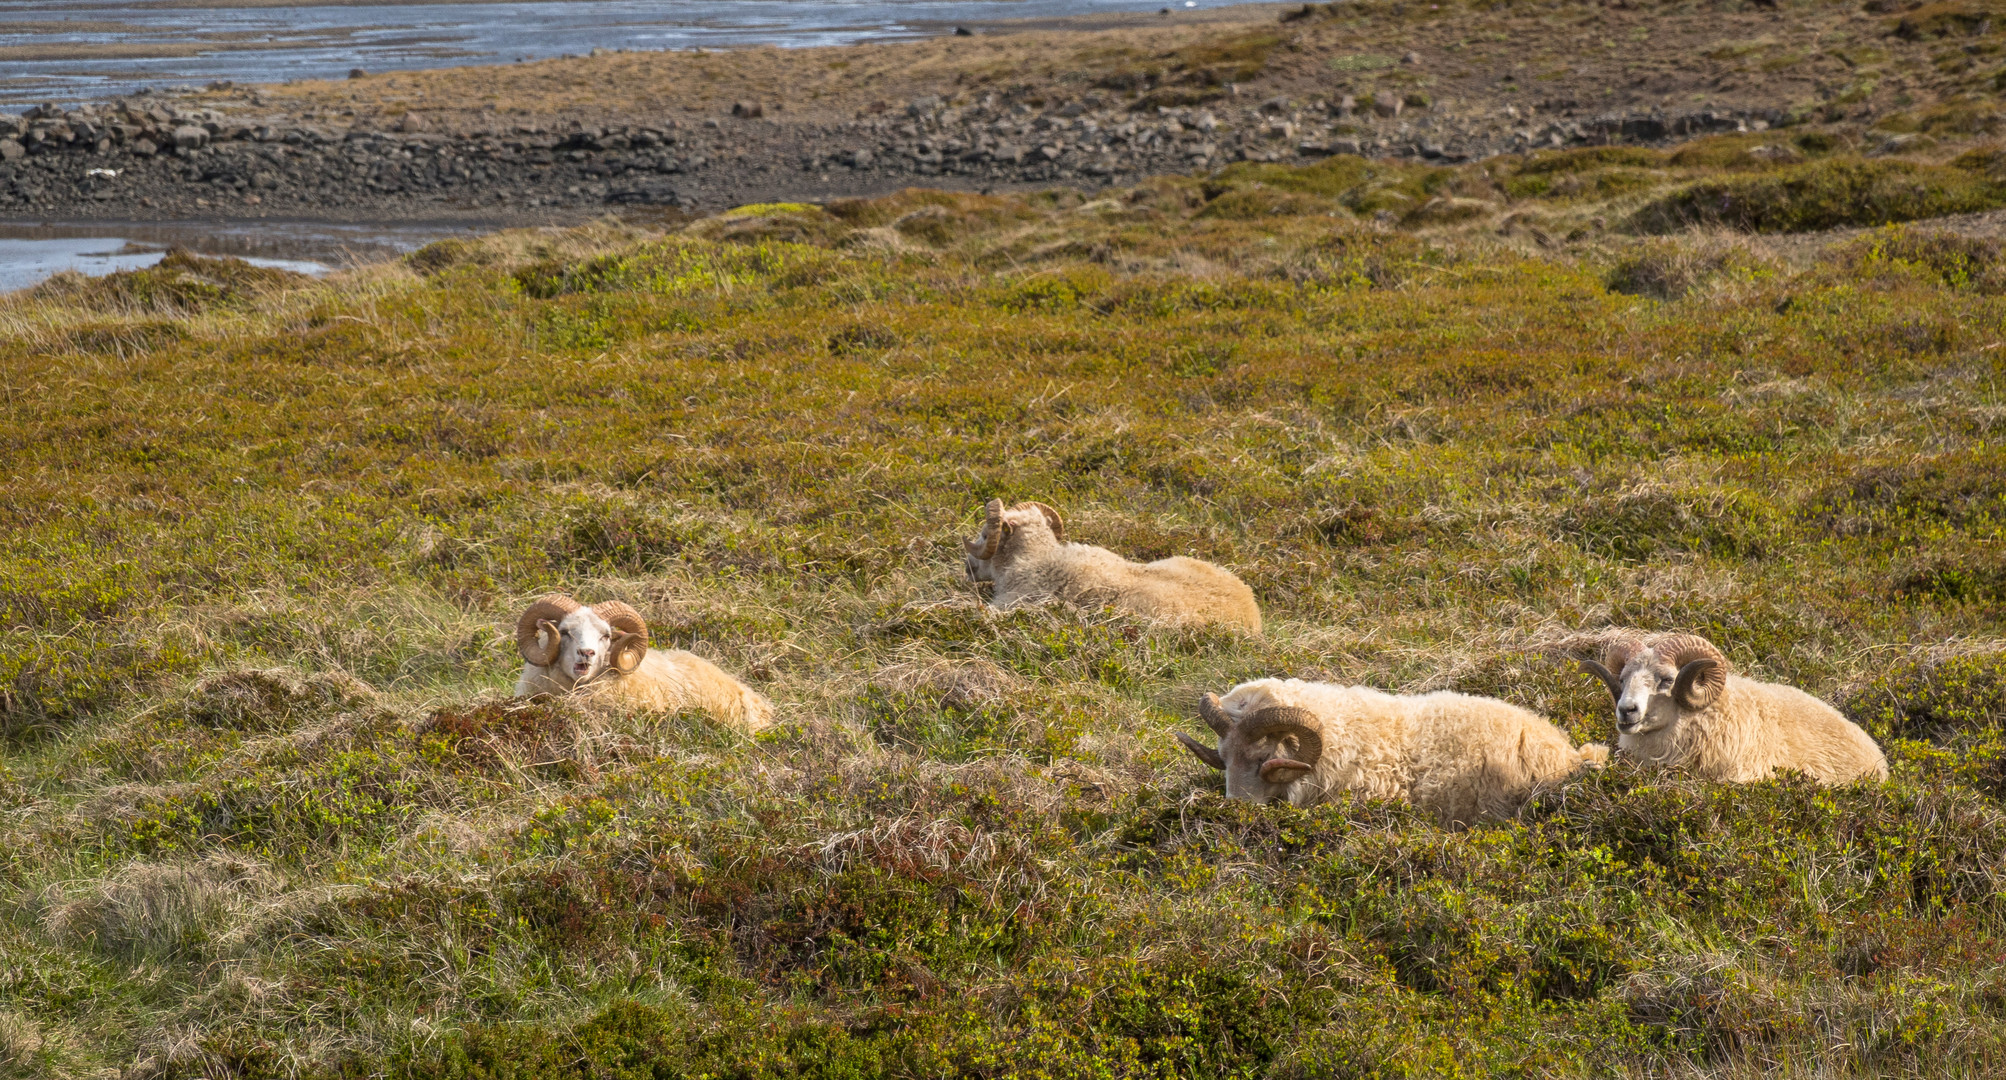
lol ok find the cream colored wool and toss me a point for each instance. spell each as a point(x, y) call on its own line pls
point(601, 654)
point(1678, 705)
point(1023, 550)
point(1462, 758)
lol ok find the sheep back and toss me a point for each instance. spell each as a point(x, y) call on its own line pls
point(1458, 757)
point(666, 680)
point(1754, 728)
point(1176, 590)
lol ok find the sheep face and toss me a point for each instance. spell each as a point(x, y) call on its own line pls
point(575, 644)
point(584, 642)
point(1008, 535)
point(1656, 679)
point(1261, 755)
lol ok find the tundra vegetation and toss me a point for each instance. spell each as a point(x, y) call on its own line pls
point(268, 811)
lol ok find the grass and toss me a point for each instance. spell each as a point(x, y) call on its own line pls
point(267, 811)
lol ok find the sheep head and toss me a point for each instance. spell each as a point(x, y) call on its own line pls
point(1262, 754)
point(1655, 678)
point(578, 644)
point(1008, 532)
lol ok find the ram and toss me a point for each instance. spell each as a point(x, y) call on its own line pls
point(1023, 551)
point(1461, 758)
point(1677, 704)
point(602, 651)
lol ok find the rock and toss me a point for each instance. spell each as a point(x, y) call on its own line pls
point(144, 147)
point(1388, 107)
point(859, 158)
point(747, 109)
point(1411, 59)
point(922, 106)
point(1275, 106)
point(190, 137)
point(1644, 129)
point(963, 31)
point(1049, 152)
point(11, 150)
point(411, 122)
point(357, 73)
point(1314, 149)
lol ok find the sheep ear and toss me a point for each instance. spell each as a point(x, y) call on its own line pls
point(1202, 752)
point(628, 651)
point(1591, 667)
point(1283, 770)
point(1694, 690)
point(1214, 715)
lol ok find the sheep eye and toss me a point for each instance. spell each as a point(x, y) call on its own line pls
point(1664, 684)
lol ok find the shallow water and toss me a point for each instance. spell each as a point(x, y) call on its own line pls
point(91, 50)
point(32, 252)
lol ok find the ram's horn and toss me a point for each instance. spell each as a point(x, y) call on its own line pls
point(1616, 655)
point(630, 634)
point(1284, 720)
point(536, 631)
point(1702, 669)
point(1595, 668)
point(1214, 715)
point(984, 546)
point(1202, 752)
point(1052, 517)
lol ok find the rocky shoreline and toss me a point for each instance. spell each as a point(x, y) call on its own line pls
point(160, 157)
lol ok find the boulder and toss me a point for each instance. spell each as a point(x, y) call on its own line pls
point(190, 137)
point(11, 150)
point(747, 109)
point(411, 123)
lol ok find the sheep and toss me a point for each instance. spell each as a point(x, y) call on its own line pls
point(1023, 551)
point(1677, 704)
point(1461, 758)
point(602, 651)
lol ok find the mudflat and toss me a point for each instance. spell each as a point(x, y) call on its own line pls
point(1086, 103)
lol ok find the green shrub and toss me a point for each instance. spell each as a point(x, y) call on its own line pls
point(1823, 195)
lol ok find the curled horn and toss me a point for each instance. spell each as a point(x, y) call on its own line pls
point(1283, 720)
point(536, 631)
point(1052, 517)
point(1210, 711)
point(1616, 655)
point(630, 634)
point(1702, 669)
point(984, 546)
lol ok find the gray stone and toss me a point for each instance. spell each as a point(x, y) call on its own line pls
point(747, 109)
point(11, 150)
point(144, 147)
point(190, 137)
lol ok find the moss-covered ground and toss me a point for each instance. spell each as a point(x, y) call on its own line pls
point(265, 809)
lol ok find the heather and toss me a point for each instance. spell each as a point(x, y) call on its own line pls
point(268, 810)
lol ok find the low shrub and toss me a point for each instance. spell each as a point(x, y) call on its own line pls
point(1823, 195)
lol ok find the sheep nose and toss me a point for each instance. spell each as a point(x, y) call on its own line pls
point(587, 654)
point(1628, 710)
